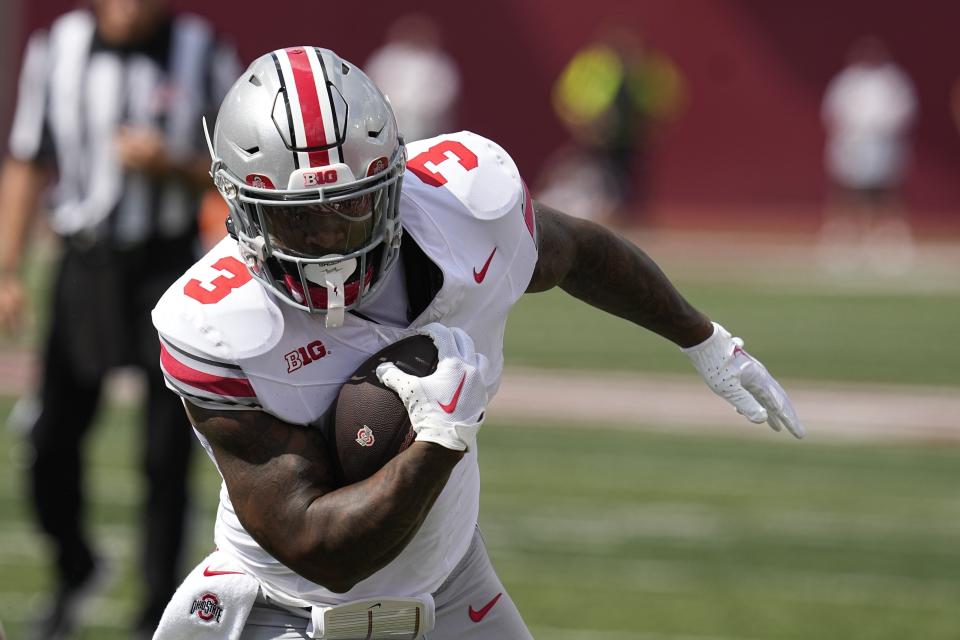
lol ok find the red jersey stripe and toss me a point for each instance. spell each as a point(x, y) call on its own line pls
point(528, 212)
point(310, 109)
point(235, 387)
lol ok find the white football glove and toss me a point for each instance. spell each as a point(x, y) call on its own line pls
point(736, 376)
point(447, 406)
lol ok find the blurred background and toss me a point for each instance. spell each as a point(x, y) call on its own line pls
point(793, 167)
point(744, 147)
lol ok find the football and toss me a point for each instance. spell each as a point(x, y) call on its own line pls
point(370, 423)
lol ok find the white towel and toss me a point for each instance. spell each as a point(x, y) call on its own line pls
point(212, 603)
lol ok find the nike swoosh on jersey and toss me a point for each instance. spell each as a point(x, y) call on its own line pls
point(478, 276)
point(451, 406)
point(208, 572)
point(477, 616)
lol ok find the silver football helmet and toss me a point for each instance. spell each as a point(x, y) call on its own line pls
point(307, 154)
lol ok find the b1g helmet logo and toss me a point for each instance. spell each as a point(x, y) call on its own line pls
point(208, 608)
point(302, 356)
point(320, 177)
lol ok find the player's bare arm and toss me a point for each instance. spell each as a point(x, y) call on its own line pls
point(603, 269)
point(281, 482)
point(606, 271)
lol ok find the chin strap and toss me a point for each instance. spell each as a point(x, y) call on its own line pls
point(332, 278)
point(333, 281)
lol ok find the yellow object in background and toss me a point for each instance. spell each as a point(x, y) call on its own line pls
point(590, 84)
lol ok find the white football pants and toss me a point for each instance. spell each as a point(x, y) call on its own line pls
point(471, 605)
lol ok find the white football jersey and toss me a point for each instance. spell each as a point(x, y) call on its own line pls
point(227, 342)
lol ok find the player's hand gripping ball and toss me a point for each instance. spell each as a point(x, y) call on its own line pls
point(446, 407)
point(430, 387)
point(371, 425)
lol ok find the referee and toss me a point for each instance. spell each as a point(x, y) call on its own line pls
point(111, 97)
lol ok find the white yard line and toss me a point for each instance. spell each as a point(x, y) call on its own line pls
point(830, 411)
point(840, 411)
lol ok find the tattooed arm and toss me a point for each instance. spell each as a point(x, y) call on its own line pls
point(608, 272)
point(280, 480)
point(604, 270)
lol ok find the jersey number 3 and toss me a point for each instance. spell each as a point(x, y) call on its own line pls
point(218, 288)
point(437, 154)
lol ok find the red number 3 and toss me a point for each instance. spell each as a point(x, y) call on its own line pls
point(436, 155)
point(220, 286)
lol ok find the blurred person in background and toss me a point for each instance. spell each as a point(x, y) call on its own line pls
point(868, 110)
point(111, 96)
point(421, 80)
point(611, 97)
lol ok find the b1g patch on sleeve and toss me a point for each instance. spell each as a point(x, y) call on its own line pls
point(208, 608)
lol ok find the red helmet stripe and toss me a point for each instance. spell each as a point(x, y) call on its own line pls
point(326, 97)
point(310, 101)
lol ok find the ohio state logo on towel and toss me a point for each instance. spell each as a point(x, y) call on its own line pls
point(207, 607)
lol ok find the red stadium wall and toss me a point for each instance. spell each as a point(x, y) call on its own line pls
point(747, 146)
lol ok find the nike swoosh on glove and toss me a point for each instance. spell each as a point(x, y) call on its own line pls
point(447, 407)
point(738, 377)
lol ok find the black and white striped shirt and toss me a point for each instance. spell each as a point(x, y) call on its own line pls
point(75, 91)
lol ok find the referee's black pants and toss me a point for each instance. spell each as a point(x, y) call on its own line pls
point(101, 319)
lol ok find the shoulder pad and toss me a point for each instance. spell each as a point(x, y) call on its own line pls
point(475, 170)
point(217, 308)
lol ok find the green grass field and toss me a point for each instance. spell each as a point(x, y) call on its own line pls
point(797, 329)
point(797, 333)
point(613, 535)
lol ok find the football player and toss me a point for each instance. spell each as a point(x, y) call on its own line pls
point(343, 240)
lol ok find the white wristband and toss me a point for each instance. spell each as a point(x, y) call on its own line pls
point(712, 350)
